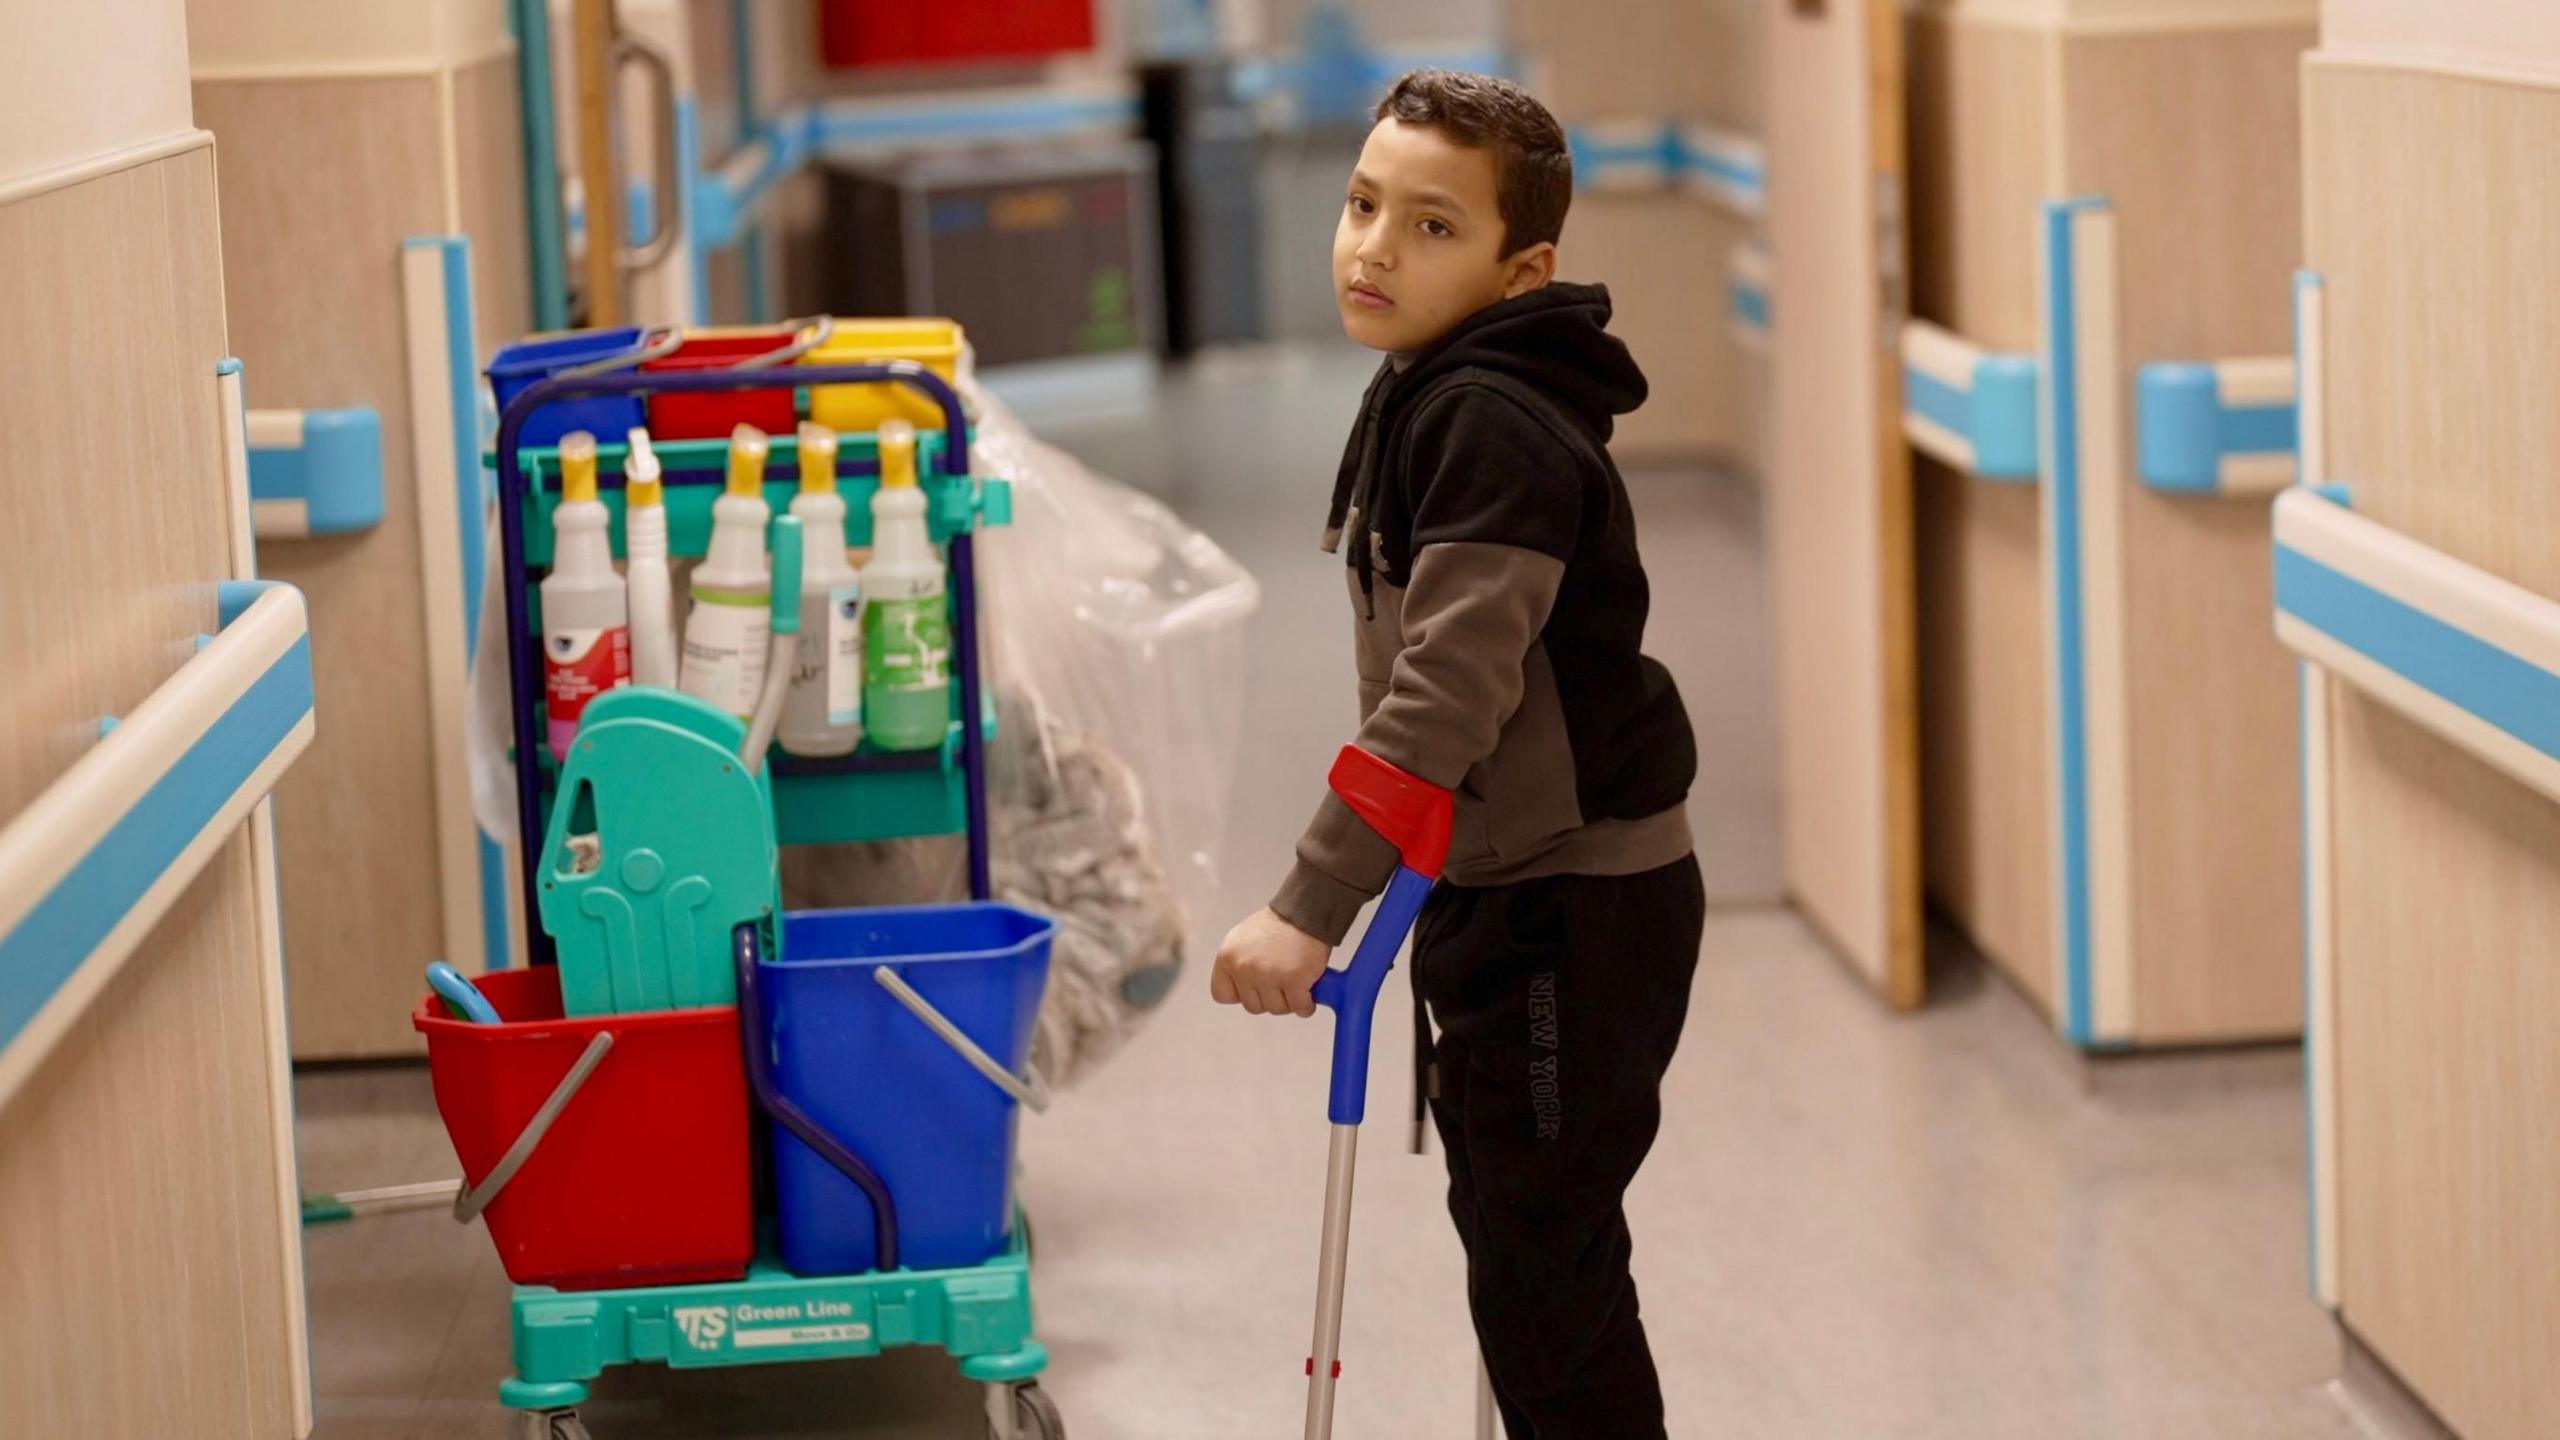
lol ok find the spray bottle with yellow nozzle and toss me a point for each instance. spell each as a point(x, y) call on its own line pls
point(823, 714)
point(586, 636)
point(725, 637)
point(906, 632)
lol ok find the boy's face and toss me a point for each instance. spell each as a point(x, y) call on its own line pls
point(1419, 248)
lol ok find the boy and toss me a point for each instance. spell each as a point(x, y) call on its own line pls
point(1498, 608)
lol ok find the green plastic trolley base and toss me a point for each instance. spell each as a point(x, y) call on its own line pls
point(980, 1314)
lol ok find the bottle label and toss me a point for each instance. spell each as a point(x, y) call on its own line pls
point(577, 666)
point(826, 673)
point(844, 654)
point(907, 644)
point(724, 654)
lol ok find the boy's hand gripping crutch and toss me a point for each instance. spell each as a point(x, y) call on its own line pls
point(1416, 815)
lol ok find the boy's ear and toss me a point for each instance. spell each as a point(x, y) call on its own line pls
point(1529, 270)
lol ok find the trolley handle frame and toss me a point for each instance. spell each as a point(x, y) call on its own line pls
point(524, 662)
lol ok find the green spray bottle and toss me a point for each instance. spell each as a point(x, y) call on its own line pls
point(906, 628)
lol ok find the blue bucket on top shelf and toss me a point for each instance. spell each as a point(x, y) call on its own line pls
point(520, 366)
point(863, 1066)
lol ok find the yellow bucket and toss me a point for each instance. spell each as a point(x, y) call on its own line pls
point(934, 344)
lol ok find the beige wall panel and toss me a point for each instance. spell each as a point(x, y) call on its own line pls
point(1838, 483)
point(488, 146)
point(1980, 154)
point(2447, 887)
point(1979, 158)
point(75, 265)
point(1663, 259)
point(2448, 905)
point(333, 35)
point(312, 229)
point(1698, 59)
point(137, 1166)
point(2195, 137)
point(53, 110)
point(2446, 272)
point(2494, 34)
point(1985, 721)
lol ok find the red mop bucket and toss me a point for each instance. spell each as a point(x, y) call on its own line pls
point(712, 414)
point(642, 1177)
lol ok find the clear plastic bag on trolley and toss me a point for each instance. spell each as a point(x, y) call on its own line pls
point(1124, 624)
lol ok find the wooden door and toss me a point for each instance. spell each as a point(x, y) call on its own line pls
point(1839, 482)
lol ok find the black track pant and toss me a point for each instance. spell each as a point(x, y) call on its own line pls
point(1559, 1003)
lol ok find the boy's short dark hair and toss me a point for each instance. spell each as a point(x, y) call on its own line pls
point(1532, 166)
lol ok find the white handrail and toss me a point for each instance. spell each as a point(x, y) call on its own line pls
point(2467, 655)
point(90, 866)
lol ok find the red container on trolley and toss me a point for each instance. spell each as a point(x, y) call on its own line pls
point(644, 1177)
point(711, 415)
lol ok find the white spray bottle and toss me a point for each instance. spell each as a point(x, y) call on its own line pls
point(906, 691)
point(725, 637)
point(644, 522)
point(823, 714)
point(586, 637)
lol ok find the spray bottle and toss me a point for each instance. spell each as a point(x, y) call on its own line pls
point(644, 520)
point(586, 636)
point(823, 714)
point(906, 693)
point(724, 639)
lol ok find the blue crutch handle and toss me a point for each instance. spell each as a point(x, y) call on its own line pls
point(1416, 817)
point(1352, 991)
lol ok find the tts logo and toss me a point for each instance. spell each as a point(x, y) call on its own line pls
point(703, 1326)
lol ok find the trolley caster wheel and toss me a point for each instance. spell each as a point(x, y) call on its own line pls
point(554, 1425)
point(1023, 1412)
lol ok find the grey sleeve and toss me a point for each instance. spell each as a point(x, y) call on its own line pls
point(1471, 614)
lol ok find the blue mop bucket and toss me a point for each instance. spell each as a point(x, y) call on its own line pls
point(872, 1073)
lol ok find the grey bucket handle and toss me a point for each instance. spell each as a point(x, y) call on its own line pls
point(468, 1205)
point(1027, 1089)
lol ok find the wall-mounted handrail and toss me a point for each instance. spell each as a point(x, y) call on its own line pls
point(90, 866)
point(2218, 427)
point(314, 472)
point(2467, 655)
point(1725, 166)
point(1968, 407)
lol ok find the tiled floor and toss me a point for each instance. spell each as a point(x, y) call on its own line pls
point(1855, 1225)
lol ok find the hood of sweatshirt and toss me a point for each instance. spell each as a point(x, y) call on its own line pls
point(1555, 339)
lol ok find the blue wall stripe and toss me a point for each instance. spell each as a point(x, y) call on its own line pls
point(58, 935)
point(2062, 372)
point(2256, 429)
point(2510, 692)
point(461, 378)
point(697, 256)
point(1750, 305)
point(1934, 400)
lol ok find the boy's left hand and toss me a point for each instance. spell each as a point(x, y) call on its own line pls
point(1269, 966)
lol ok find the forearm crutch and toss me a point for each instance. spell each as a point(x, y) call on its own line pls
point(1416, 816)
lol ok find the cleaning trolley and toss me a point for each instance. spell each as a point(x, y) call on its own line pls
point(703, 1131)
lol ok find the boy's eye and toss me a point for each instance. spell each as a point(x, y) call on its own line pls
point(1360, 205)
point(1436, 227)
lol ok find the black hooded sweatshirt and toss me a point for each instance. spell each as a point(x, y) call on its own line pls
point(1499, 609)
